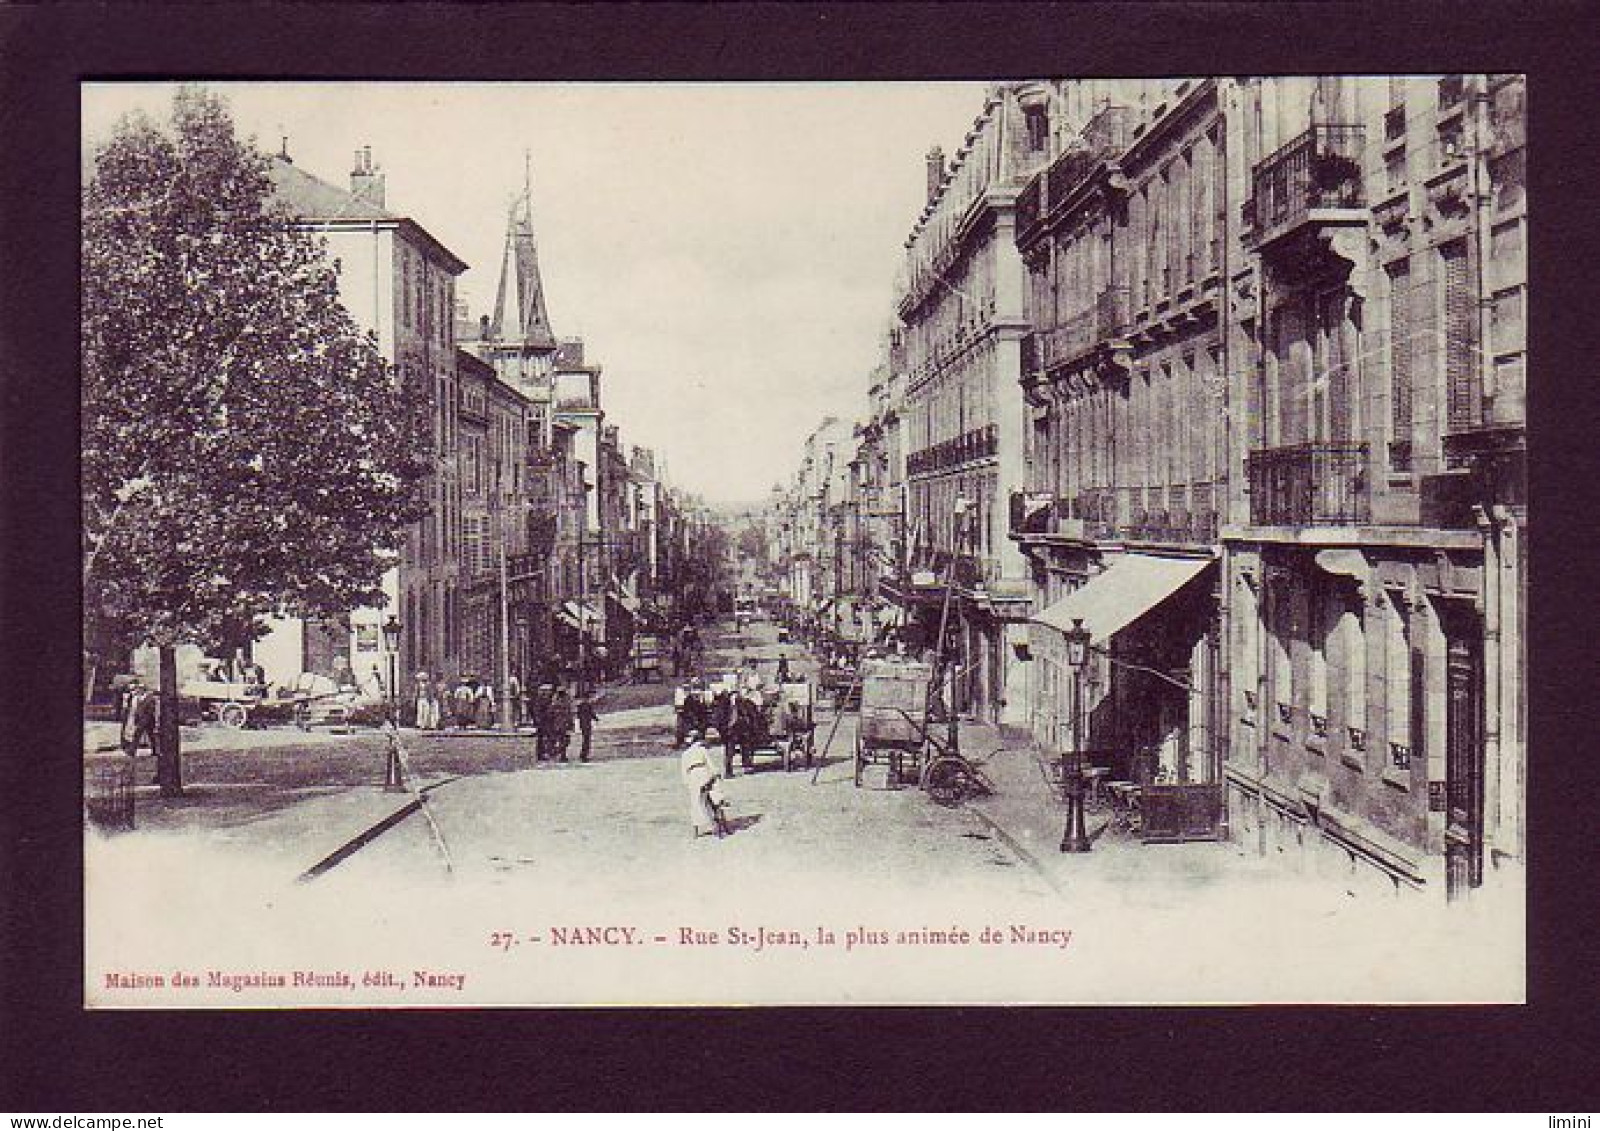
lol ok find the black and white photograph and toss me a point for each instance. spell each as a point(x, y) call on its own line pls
point(1038, 541)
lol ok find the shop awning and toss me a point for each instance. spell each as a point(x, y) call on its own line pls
point(627, 601)
point(1131, 587)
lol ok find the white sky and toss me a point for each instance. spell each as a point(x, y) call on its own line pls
point(727, 251)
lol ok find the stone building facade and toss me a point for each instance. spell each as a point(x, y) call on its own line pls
point(956, 350)
point(1124, 241)
point(1275, 383)
point(1376, 564)
point(398, 282)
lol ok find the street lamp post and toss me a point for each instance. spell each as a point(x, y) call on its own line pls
point(1074, 837)
point(393, 778)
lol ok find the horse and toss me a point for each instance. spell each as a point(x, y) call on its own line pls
point(742, 727)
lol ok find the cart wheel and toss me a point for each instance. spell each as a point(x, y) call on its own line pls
point(233, 716)
point(947, 781)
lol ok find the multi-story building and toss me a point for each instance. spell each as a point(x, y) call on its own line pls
point(1124, 236)
point(812, 535)
point(1376, 563)
point(398, 282)
point(1279, 322)
point(957, 347)
point(496, 519)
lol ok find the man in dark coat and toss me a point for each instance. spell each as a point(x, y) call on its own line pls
point(140, 709)
point(539, 713)
point(560, 716)
point(586, 718)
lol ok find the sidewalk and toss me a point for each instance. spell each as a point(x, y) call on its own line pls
point(1029, 816)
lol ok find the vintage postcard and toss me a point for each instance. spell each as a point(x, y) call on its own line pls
point(643, 544)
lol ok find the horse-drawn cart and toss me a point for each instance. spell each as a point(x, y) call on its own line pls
point(892, 731)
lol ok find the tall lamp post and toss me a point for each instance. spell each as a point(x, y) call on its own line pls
point(393, 778)
point(1075, 838)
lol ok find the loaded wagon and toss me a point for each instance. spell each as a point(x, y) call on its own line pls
point(892, 731)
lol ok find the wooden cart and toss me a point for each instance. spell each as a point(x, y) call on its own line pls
point(892, 731)
point(795, 725)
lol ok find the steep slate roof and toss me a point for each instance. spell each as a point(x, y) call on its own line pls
point(309, 198)
point(313, 200)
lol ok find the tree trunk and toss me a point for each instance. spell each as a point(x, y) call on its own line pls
point(169, 768)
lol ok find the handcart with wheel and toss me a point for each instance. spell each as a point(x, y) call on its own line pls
point(795, 724)
point(893, 728)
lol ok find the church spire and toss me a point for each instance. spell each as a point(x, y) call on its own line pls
point(530, 322)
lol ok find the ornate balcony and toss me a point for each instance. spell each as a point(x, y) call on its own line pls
point(1030, 209)
point(1085, 332)
point(1314, 180)
point(1316, 484)
point(974, 444)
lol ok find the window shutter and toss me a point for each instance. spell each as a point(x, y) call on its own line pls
point(1461, 371)
point(1401, 329)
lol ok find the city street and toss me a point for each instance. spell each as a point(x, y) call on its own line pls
point(582, 884)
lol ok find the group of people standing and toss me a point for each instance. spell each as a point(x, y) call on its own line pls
point(471, 703)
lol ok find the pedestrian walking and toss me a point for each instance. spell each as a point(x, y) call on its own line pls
point(141, 710)
point(561, 724)
point(544, 738)
point(702, 789)
point(514, 706)
point(427, 702)
point(586, 719)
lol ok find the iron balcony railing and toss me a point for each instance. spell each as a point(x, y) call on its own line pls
point(1320, 169)
point(1107, 131)
point(1084, 332)
point(974, 444)
point(1315, 484)
point(1031, 354)
point(1030, 207)
point(1068, 173)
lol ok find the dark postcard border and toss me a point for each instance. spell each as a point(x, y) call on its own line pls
point(58, 1058)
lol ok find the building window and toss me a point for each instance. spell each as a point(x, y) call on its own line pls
point(1319, 635)
point(1398, 682)
point(1249, 670)
point(405, 287)
point(1462, 389)
point(1451, 90)
point(1394, 169)
point(1280, 670)
point(1353, 659)
point(1401, 349)
point(411, 628)
point(1038, 122)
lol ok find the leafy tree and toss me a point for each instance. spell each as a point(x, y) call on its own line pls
point(245, 449)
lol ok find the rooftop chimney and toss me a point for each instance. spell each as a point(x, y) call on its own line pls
point(283, 151)
point(366, 182)
point(935, 170)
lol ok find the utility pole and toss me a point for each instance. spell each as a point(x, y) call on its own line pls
point(505, 602)
point(583, 610)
